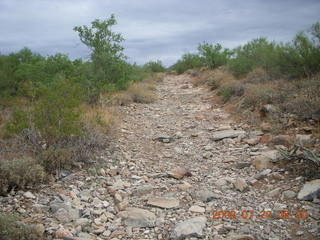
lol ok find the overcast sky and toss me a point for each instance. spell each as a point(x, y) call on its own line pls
point(153, 30)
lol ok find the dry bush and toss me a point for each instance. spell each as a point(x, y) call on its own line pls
point(228, 85)
point(56, 158)
point(259, 95)
point(158, 77)
point(237, 87)
point(257, 75)
point(142, 95)
point(98, 117)
point(202, 78)
point(142, 92)
point(19, 173)
point(148, 85)
point(12, 229)
point(302, 97)
point(122, 98)
point(213, 83)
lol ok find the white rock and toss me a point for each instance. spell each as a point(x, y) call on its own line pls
point(29, 195)
point(197, 209)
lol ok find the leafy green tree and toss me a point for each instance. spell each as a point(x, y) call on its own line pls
point(213, 55)
point(108, 59)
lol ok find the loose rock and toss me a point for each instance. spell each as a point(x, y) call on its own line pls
point(163, 202)
point(310, 190)
point(190, 228)
point(219, 135)
point(136, 217)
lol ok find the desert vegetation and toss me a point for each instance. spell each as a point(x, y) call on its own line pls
point(262, 72)
point(54, 110)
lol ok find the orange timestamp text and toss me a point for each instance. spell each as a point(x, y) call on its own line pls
point(263, 214)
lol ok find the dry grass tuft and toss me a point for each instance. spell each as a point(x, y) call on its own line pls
point(122, 98)
point(98, 117)
point(141, 94)
point(158, 77)
point(19, 173)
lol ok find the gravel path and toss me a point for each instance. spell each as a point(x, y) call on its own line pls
point(180, 168)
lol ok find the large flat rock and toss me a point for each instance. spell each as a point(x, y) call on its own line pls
point(163, 202)
point(219, 135)
point(137, 217)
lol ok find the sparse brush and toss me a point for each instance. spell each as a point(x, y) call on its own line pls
point(213, 83)
point(19, 173)
point(258, 95)
point(257, 75)
point(17, 123)
point(12, 229)
point(56, 158)
point(147, 85)
point(236, 87)
point(158, 77)
point(302, 97)
point(226, 93)
point(98, 117)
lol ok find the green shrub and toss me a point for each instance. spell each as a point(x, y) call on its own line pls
point(213, 56)
point(138, 73)
point(256, 53)
point(108, 60)
point(12, 229)
point(299, 58)
point(57, 112)
point(188, 61)
point(19, 173)
point(155, 66)
point(18, 122)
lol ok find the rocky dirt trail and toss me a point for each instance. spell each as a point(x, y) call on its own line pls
point(180, 168)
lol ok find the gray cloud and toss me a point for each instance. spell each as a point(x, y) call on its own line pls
point(153, 29)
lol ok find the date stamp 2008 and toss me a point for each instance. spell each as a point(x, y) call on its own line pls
point(264, 214)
